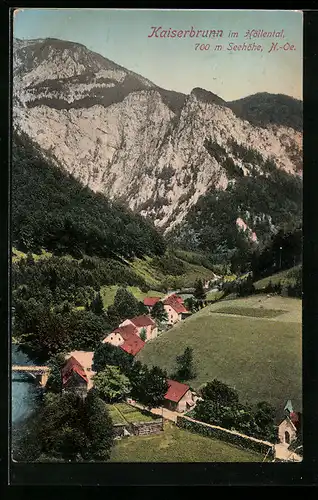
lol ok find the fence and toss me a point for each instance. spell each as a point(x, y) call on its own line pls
point(233, 437)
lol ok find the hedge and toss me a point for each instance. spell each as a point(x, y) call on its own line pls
point(225, 435)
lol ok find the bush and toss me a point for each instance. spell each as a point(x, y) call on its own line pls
point(223, 435)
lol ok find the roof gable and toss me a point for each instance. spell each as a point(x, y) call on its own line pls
point(132, 344)
point(151, 301)
point(72, 366)
point(175, 303)
point(288, 421)
point(126, 330)
point(175, 391)
point(141, 321)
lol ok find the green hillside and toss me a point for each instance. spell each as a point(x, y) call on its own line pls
point(257, 353)
point(108, 293)
point(286, 277)
point(54, 211)
point(155, 277)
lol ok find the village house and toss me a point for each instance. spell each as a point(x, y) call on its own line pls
point(143, 323)
point(290, 426)
point(79, 364)
point(178, 397)
point(174, 308)
point(74, 377)
point(149, 302)
point(126, 338)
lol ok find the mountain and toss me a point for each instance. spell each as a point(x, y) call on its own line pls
point(52, 210)
point(154, 149)
point(264, 109)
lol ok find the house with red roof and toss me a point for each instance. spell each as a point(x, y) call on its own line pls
point(143, 323)
point(174, 307)
point(77, 371)
point(126, 337)
point(290, 427)
point(74, 377)
point(178, 397)
point(150, 302)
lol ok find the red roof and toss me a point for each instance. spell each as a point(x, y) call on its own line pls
point(140, 321)
point(151, 301)
point(72, 366)
point(176, 303)
point(176, 390)
point(295, 418)
point(126, 331)
point(133, 344)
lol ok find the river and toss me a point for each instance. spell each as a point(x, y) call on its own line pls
point(24, 389)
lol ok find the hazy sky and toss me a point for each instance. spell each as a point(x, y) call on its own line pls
point(173, 63)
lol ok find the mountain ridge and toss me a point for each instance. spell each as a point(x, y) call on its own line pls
point(115, 130)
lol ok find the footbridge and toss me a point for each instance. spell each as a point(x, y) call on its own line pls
point(39, 373)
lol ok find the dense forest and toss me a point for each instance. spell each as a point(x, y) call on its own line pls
point(56, 299)
point(263, 109)
point(52, 210)
point(269, 200)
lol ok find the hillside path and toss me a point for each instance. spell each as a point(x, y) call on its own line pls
point(161, 412)
point(283, 453)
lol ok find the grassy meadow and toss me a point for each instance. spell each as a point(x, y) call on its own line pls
point(286, 277)
point(259, 354)
point(179, 445)
point(122, 413)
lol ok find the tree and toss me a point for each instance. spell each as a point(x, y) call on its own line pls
point(99, 427)
point(185, 370)
point(246, 287)
point(54, 382)
point(158, 312)
point(111, 384)
point(210, 412)
point(108, 354)
point(219, 393)
point(137, 374)
point(55, 429)
point(87, 329)
point(143, 334)
point(142, 308)
point(97, 305)
point(191, 304)
point(264, 418)
point(148, 386)
point(125, 304)
point(199, 291)
point(30, 259)
point(66, 428)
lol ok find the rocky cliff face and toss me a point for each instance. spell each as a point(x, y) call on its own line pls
point(122, 135)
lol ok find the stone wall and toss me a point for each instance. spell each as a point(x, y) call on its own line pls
point(119, 429)
point(232, 437)
point(147, 428)
point(139, 429)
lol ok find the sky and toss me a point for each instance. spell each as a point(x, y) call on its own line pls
point(122, 35)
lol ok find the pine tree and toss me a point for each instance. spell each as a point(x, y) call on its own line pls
point(143, 334)
point(97, 305)
point(185, 370)
point(125, 304)
point(158, 312)
point(199, 291)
